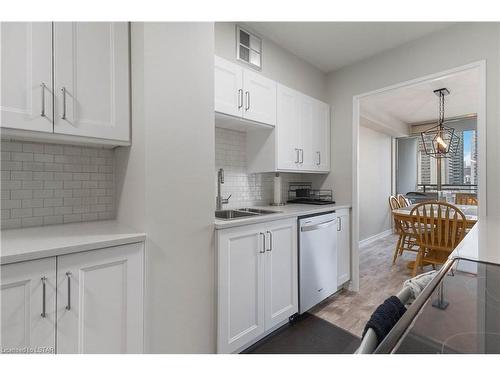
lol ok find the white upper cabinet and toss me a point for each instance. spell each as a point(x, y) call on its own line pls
point(228, 87)
point(308, 114)
point(26, 76)
point(28, 301)
point(301, 136)
point(300, 140)
point(91, 65)
point(260, 98)
point(320, 133)
point(100, 301)
point(66, 81)
point(243, 93)
point(288, 128)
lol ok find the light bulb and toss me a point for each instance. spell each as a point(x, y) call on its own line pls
point(442, 146)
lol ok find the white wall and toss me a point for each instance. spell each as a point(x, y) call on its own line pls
point(277, 63)
point(166, 181)
point(406, 180)
point(375, 182)
point(455, 46)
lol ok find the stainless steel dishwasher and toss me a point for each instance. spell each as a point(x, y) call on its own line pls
point(317, 259)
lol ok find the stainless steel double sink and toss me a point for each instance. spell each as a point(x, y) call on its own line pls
point(241, 213)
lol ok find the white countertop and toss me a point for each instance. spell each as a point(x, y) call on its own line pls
point(282, 212)
point(52, 240)
point(482, 243)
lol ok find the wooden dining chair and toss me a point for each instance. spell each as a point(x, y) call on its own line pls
point(406, 240)
point(438, 228)
point(403, 202)
point(394, 203)
point(466, 199)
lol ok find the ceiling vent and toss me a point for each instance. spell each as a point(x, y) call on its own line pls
point(248, 48)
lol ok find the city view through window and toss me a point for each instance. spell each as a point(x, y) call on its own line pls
point(459, 171)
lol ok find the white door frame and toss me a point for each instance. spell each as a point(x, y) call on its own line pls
point(481, 140)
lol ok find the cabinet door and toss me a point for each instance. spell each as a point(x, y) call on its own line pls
point(91, 65)
point(228, 87)
point(24, 300)
point(287, 128)
point(321, 137)
point(26, 76)
point(241, 286)
point(100, 301)
point(306, 131)
point(343, 247)
point(281, 288)
point(259, 98)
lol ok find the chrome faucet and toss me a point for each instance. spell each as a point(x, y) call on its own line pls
point(219, 201)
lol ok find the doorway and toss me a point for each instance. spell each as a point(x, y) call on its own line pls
point(396, 98)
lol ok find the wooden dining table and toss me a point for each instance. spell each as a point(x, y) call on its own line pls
point(470, 213)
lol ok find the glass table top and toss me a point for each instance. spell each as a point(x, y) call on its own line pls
point(462, 315)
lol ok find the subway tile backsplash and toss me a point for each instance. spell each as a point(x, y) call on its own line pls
point(45, 184)
point(247, 189)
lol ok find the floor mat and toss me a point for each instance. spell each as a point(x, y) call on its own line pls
point(308, 334)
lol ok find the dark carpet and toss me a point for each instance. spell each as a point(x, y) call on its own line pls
point(308, 334)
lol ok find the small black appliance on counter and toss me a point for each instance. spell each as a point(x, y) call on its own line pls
point(302, 192)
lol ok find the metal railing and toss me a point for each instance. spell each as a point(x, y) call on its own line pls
point(469, 188)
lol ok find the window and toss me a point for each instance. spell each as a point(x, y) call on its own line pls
point(248, 48)
point(459, 170)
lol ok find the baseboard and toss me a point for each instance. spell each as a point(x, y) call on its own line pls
point(375, 237)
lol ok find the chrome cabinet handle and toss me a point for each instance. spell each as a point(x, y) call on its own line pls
point(247, 99)
point(297, 159)
point(43, 314)
point(319, 158)
point(339, 224)
point(301, 156)
point(270, 241)
point(63, 117)
point(42, 86)
point(263, 243)
point(68, 275)
point(240, 98)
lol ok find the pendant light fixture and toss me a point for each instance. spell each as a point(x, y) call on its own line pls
point(440, 141)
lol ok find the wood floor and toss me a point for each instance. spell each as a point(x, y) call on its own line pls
point(379, 279)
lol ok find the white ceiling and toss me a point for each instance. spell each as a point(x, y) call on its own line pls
point(418, 103)
point(332, 45)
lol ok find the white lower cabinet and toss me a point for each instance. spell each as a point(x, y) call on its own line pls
point(99, 302)
point(343, 247)
point(281, 286)
point(257, 281)
point(28, 306)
